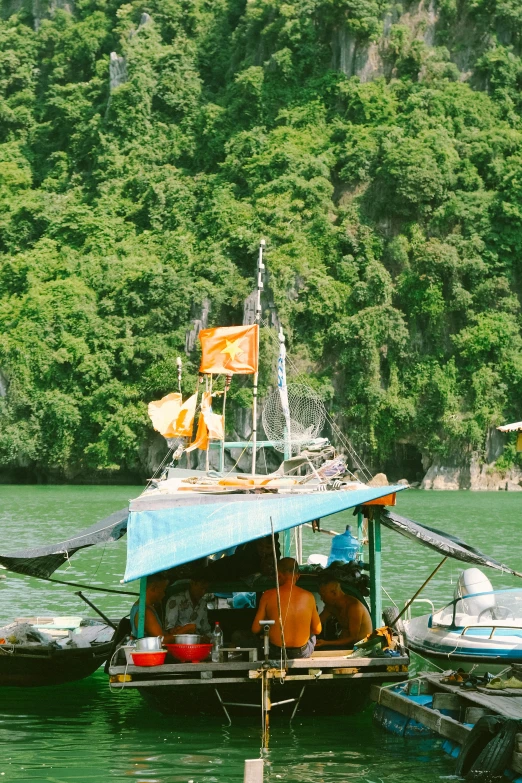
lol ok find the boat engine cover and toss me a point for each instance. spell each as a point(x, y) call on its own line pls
point(473, 581)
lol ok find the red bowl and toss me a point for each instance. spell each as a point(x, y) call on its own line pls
point(189, 653)
point(149, 658)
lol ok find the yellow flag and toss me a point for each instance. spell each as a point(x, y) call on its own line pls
point(185, 418)
point(171, 418)
point(229, 349)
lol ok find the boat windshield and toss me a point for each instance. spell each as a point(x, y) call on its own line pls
point(500, 607)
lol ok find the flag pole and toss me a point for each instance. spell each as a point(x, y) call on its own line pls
point(260, 270)
point(179, 366)
point(228, 381)
point(207, 455)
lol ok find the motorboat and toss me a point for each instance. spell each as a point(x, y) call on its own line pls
point(479, 630)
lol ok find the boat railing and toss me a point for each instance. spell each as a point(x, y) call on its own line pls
point(407, 615)
point(494, 628)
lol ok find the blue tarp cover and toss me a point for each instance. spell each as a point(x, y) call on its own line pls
point(162, 538)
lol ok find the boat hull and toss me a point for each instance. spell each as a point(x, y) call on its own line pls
point(478, 650)
point(29, 667)
point(326, 698)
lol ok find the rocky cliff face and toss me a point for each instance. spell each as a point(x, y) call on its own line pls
point(475, 472)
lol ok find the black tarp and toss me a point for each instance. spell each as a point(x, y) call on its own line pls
point(42, 561)
point(444, 543)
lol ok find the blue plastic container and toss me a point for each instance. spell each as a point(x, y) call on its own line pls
point(344, 547)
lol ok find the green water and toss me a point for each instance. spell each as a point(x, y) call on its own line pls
point(82, 732)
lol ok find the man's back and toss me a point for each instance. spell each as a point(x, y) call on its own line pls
point(298, 613)
point(353, 618)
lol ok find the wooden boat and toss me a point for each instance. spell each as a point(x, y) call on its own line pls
point(186, 516)
point(47, 663)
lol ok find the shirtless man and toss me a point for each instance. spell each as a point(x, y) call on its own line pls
point(351, 614)
point(301, 622)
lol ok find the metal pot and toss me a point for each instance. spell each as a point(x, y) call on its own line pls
point(187, 638)
point(149, 644)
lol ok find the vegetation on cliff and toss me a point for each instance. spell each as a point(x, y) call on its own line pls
point(392, 211)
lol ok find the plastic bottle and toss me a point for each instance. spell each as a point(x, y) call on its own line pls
point(217, 642)
point(344, 547)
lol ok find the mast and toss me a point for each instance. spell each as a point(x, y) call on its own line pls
point(260, 270)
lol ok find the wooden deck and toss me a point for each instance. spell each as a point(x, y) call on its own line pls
point(319, 667)
point(462, 699)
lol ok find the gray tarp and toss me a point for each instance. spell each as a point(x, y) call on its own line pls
point(42, 561)
point(444, 543)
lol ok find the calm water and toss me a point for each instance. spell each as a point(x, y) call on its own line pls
point(82, 732)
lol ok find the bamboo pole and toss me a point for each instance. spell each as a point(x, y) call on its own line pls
point(421, 588)
point(207, 455)
point(260, 270)
point(228, 381)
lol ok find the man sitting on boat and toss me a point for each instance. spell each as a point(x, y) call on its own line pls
point(299, 615)
point(186, 612)
point(352, 616)
point(156, 586)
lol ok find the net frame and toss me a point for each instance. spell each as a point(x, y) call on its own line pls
point(307, 418)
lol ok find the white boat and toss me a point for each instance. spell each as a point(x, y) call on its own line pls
point(480, 630)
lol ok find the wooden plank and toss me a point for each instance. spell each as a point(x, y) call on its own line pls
point(446, 701)
point(163, 683)
point(510, 706)
point(441, 724)
point(331, 653)
point(175, 681)
point(298, 663)
point(360, 663)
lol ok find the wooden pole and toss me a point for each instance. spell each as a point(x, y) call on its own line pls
point(207, 460)
point(253, 771)
point(260, 270)
point(228, 381)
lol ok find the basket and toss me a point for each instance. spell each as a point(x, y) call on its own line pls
point(189, 653)
point(155, 658)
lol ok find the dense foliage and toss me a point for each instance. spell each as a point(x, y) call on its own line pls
point(392, 211)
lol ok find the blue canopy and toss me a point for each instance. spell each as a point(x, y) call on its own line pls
point(163, 537)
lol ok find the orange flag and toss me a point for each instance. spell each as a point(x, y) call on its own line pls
point(185, 418)
point(229, 349)
point(163, 413)
point(171, 418)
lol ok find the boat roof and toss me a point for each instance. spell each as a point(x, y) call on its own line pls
point(169, 530)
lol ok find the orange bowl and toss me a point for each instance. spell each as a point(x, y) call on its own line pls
point(155, 658)
point(189, 653)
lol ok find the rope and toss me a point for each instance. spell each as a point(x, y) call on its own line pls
point(389, 596)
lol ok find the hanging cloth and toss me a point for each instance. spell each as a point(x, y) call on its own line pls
point(210, 425)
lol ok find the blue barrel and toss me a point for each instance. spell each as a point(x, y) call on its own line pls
point(344, 547)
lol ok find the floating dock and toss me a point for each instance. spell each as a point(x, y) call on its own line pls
point(427, 705)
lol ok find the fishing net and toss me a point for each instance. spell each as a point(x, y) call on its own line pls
point(307, 415)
